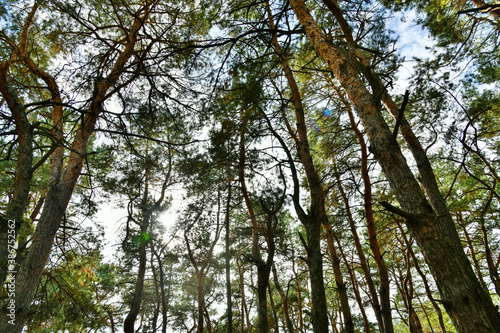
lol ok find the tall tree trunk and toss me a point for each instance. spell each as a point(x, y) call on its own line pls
point(55, 205)
point(372, 238)
point(300, 324)
point(60, 192)
point(200, 297)
point(256, 257)
point(22, 178)
point(355, 288)
point(263, 267)
point(284, 301)
point(469, 306)
point(201, 269)
point(385, 300)
point(472, 251)
point(428, 291)
point(273, 309)
point(317, 214)
point(156, 313)
point(494, 276)
point(135, 305)
point(339, 280)
point(244, 309)
point(24, 172)
point(229, 302)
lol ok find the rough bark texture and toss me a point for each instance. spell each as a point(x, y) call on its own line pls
point(60, 191)
point(469, 306)
point(339, 280)
point(262, 269)
point(317, 214)
point(135, 305)
point(23, 174)
point(229, 301)
point(284, 301)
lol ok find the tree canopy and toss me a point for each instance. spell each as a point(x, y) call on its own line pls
point(311, 184)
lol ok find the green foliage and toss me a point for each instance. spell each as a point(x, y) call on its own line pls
point(176, 119)
point(69, 295)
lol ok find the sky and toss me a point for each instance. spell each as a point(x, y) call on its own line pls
point(412, 42)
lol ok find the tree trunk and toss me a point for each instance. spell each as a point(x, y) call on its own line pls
point(273, 309)
point(385, 299)
point(339, 280)
point(317, 214)
point(229, 302)
point(22, 178)
point(472, 250)
point(494, 276)
point(428, 291)
point(200, 297)
point(355, 287)
point(154, 321)
point(59, 193)
point(244, 308)
point(300, 323)
point(135, 306)
point(284, 301)
point(263, 267)
point(469, 306)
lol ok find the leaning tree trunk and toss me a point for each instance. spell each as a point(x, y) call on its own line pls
point(24, 169)
point(317, 213)
point(22, 178)
point(284, 301)
point(263, 267)
point(60, 192)
point(467, 303)
point(339, 280)
point(135, 305)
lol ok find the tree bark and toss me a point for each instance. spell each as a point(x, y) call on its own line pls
point(22, 178)
point(284, 301)
point(339, 280)
point(317, 214)
point(385, 300)
point(469, 306)
point(24, 172)
point(263, 269)
point(494, 276)
point(355, 287)
point(60, 192)
point(135, 305)
point(229, 302)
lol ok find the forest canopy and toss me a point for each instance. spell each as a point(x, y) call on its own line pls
point(262, 166)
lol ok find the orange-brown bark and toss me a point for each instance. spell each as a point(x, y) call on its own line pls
point(469, 306)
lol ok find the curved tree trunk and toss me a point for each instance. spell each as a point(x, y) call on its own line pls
point(339, 280)
point(135, 305)
point(469, 306)
point(316, 215)
point(22, 178)
point(60, 191)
